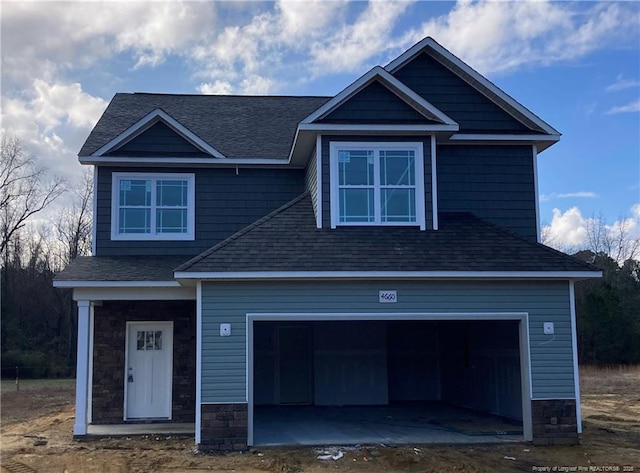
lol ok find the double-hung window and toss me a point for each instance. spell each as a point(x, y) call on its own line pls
point(377, 184)
point(153, 206)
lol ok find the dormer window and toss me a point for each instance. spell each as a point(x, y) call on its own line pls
point(153, 206)
point(377, 184)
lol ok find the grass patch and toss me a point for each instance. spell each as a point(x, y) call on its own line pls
point(618, 379)
point(8, 385)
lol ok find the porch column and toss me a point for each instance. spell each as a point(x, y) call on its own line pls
point(82, 368)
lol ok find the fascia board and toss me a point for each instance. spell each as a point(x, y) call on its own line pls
point(150, 119)
point(430, 43)
point(406, 129)
point(96, 284)
point(403, 92)
point(180, 161)
point(277, 275)
point(541, 141)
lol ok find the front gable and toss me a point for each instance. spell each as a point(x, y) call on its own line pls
point(375, 103)
point(478, 105)
point(157, 134)
point(378, 98)
point(158, 140)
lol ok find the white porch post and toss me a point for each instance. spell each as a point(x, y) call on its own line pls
point(82, 368)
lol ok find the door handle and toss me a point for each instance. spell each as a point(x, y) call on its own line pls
point(130, 376)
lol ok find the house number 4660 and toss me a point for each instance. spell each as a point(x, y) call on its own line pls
point(386, 297)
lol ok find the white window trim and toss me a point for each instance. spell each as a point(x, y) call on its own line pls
point(115, 214)
point(415, 146)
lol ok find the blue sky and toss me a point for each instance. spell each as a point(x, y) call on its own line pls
point(575, 64)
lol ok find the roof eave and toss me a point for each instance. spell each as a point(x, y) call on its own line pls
point(388, 275)
point(180, 161)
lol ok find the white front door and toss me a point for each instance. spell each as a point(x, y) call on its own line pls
point(148, 370)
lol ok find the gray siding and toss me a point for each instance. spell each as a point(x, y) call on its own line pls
point(225, 203)
point(326, 174)
point(495, 183)
point(158, 140)
point(224, 358)
point(375, 104)
point(311, 181)
point(448, 92)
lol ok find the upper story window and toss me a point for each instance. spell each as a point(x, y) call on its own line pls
point(377, 184)
point(153, 206)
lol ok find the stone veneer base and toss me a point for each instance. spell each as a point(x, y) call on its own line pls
point(224, 428)
point(554, 422)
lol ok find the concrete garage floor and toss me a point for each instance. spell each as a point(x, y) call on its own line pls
point(415, 424)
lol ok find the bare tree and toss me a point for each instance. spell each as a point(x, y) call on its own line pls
point(25, 189)
point(73, 226)
point(617, 240)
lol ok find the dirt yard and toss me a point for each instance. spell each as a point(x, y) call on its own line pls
point(37, 423)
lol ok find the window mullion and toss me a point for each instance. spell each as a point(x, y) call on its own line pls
point(377, 199)
point(154, 184)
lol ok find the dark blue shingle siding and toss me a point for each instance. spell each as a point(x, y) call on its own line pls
point(225, 203)
point(448, 92)
point(495, 183)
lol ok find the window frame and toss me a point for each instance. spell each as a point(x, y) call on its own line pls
point(117, 177)
point(416, 146)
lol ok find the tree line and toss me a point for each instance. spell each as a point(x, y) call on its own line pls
point(39, 322)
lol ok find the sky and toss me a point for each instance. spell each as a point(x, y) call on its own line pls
point(575, 64)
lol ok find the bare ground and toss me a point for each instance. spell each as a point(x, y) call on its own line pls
point(37, 423)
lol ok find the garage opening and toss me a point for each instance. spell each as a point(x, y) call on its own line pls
point(386, 381)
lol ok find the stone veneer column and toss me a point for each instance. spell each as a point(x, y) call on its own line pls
point(224, 427)
point(554, 422)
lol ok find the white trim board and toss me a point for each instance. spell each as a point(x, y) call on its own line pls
point(376, 128)
point(182, 161)
point(198, 407)
point(574, 344)
point(81, 283)
point(134, 293)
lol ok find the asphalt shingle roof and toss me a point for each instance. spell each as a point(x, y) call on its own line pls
point(124, 268)
point(288, 240)
point(237, 126)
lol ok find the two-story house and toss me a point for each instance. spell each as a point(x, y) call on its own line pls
point(375, 248)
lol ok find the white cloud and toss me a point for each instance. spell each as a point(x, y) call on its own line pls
point(43, 39)
point(621, 84)
point(53, 120)
point(567, 230)
point(352, 45)
point(503, 36)
point(570, 231)
point(219, 87)
point(568, 195)
point(631, 107)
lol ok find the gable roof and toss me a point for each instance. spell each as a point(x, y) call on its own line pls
point(404, 93)
point(261, 127)
point(476, 80)
point(155, 116)
point(287, 241)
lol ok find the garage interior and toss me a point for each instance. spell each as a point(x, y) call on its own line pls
point(386, 381)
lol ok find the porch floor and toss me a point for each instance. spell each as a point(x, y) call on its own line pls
point(422, 423)
point(122, 430)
